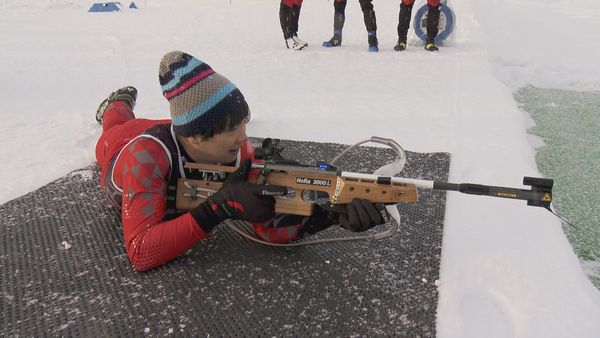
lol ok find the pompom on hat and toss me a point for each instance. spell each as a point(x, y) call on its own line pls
point(198, 96)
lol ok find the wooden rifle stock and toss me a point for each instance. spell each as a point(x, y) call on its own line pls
point(303, 181)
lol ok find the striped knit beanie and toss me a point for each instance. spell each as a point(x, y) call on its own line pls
point(198, 96)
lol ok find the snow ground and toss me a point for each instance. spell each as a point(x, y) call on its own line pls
point(507, 269)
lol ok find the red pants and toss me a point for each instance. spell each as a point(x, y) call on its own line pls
point(119, 127)
point(291, 3)
point(433, 3)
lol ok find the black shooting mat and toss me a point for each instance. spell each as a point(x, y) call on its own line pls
point(64, 270)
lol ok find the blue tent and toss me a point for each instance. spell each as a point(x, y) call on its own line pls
point(105, 7)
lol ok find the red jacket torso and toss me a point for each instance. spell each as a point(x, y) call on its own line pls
point(142, 172)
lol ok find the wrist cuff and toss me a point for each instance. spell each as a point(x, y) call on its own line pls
point(205, 217)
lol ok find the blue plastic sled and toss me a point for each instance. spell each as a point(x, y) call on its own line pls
point(447, 19)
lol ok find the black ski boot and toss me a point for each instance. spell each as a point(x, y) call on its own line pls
point(400, 46)
point(430, 45)
point(126, 94)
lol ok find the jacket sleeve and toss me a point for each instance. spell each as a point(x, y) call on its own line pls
point(287, 228)
point(149, 241)
point(283, 229)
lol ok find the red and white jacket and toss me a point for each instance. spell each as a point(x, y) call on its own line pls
point(141, 180)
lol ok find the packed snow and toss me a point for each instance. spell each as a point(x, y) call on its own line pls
point(507, 269)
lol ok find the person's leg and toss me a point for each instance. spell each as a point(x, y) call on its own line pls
point(296, 6)
point(115, 110)
point(369, 14)
point(115, 115)
point(339, 17)
point(294, 23)
point(370, 23)
point(433, 21)
point(285, 19)
point(126, 94)
point(403, 23)
point(289, 23)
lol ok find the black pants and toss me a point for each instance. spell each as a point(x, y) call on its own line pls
point(367, 9)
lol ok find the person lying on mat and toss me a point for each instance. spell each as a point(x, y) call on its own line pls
point(141, 161)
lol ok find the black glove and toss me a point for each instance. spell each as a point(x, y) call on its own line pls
point(359, 215)
point(239, 200)
point(320, 220)
point(363, 215)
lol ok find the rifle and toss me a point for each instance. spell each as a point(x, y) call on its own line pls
point(330, 188)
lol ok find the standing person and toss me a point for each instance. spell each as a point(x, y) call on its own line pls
point(141, 161)
point(339, 17)
point(289, 15)
point(433, 21)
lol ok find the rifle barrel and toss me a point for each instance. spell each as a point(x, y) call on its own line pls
point(540, 194)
